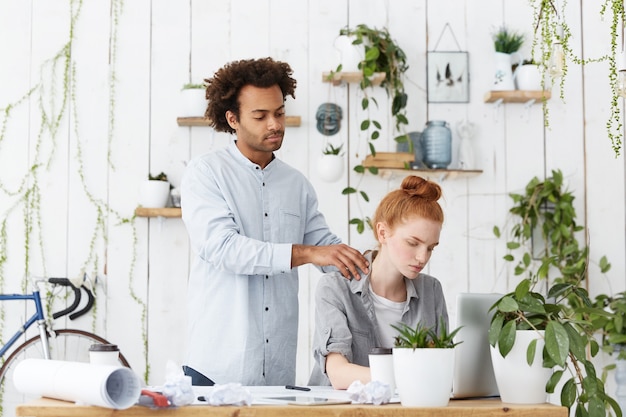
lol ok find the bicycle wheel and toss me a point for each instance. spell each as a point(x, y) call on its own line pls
point(65, 344)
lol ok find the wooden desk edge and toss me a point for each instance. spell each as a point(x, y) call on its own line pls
point(46, 407)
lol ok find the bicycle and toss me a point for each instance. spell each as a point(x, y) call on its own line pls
point(62, 344)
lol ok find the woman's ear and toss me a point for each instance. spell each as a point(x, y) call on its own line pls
point(382, 233)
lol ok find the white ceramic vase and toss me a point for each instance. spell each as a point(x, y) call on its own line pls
point(527, 77)
point(349, 55)
point(154, 193)
point(330, 167)
point(518, 382)
point(423, 376)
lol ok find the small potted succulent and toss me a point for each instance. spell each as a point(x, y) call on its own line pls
point(506, 45)
point(424, 351)
point(193, 100)
point(330, 164)
point(155, 191)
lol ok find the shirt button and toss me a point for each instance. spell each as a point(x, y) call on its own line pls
point(326, 331)
point(267, 340)
point(267, 308)
point(265, 214)
point(267, 277)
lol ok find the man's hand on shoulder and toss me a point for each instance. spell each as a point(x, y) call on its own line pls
point(346, 259)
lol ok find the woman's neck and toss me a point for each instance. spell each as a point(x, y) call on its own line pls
point(386, 281)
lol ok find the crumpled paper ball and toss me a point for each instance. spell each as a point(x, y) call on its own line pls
point(374, 392)
point(229, 394)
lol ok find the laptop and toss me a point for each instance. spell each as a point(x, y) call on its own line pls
point(473, 371)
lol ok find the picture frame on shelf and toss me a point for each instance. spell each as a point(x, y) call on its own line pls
point(448, 76)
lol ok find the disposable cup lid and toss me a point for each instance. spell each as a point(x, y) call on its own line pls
point(103, 347)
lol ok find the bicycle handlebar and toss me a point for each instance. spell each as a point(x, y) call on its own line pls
point(77, 297)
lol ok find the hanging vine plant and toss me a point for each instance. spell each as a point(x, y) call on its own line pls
point(552, 37)
point(54, 94)
point(382, 54)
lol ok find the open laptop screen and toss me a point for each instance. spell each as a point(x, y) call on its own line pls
point(473, 371)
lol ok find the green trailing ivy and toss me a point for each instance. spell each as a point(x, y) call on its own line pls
point(55, 91)
point(382, 54)
point(550, 26)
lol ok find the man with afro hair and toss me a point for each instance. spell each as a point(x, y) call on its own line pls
point(252, 221)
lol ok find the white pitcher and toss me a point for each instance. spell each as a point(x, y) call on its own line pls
point(503, 74)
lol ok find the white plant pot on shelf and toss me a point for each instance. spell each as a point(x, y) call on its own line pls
point(154, 193)
point(518, 382)
point(193, 102)
point(330, 167)
point(423, 376)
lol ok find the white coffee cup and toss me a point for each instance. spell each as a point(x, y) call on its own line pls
point(104, 354)
point(381, 366)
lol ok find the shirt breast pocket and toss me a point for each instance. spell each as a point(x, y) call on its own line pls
point(290, 227)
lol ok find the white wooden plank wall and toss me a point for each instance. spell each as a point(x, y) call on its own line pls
point(161, 45)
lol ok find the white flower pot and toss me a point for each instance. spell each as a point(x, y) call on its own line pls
point(349, 55)
point(193, 102)
point(154, 193)
point(518, 382)
point(423, 376)
point(527, 77)
point(330, 167)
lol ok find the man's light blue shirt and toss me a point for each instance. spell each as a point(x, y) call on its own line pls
point(242, 293)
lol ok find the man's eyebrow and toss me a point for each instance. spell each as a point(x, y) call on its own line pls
point(266, 111)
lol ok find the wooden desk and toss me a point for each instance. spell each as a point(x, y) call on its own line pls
point(458, 408)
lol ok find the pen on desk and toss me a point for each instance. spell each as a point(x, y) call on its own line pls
point(297, 388)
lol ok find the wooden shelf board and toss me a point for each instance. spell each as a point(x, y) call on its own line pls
point(351, 77)
point(158, 212)
point(517, 96)
point(430, 174)
point(290, 121)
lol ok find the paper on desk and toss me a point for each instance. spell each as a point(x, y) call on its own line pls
point(103, 385)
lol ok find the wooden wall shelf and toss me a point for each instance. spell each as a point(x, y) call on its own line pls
point(430, 174)
point(517, 96)
point(290, 121)
point(171, 212)
point(351, 77)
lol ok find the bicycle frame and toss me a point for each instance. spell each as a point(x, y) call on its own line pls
point(38, 317)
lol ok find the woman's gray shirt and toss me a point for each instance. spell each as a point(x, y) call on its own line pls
point(345, 321)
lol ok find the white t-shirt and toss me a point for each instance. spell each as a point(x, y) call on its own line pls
point(387, 313)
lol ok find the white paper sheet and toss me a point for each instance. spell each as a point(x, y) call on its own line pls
point(102, 385)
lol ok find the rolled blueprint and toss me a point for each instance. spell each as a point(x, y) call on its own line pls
point(108, 386)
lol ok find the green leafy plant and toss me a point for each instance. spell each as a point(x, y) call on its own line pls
point(543, 243)
point(332, 150)
point(382, 55)
point(190, 86)
point(507, 41)
point(609, 318)
point(159, 177)
point(423, 337)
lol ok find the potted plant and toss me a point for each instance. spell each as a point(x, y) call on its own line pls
point(527, 76)
point(330, 164)
point(155, 191)
point(549, 300)
point(193, 100)
point(381, 54)
point(506, 44)
point(424, 351)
